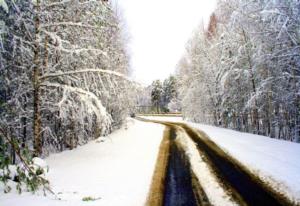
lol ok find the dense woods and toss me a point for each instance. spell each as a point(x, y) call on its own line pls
point(242, 70)
point(63, 75)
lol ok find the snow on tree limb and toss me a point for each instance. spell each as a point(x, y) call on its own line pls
point(59, 3)
point(4, 5)
point(54, 24)
point(117, 74)
point(74, 48)
point(90, 99)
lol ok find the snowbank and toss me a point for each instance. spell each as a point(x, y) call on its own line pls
point(113, 171)
point(275, 161)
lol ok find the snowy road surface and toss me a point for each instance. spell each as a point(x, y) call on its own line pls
point(275, 162)
point(230, 182)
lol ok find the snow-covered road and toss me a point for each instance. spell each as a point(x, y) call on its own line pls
point(224, 180)
point(276, 162)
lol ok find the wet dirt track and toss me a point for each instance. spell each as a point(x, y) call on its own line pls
point(179, 187)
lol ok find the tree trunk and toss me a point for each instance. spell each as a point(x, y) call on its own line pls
point(255, 110)
point(36, 88)
point(24, 128)
point(297, 107)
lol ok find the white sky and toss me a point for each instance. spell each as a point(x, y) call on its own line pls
point(159, 30)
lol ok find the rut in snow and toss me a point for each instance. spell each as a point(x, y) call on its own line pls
point(174, 183)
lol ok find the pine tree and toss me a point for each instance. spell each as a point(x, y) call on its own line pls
point(156, 95)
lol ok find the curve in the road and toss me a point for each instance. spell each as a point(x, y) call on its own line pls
point(245, 187)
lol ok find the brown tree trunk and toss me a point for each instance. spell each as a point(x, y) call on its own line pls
point(296, 114)
point(36, 88)
point(24, 128)
point(270, 115)
point(255, 122)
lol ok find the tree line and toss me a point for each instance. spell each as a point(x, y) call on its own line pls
point(242, 71)
point(159, 97)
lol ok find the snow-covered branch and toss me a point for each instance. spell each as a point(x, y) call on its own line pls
point(88, 98)
point(102, 71)
point(75, 24)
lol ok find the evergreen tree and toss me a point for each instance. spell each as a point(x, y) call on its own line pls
point(169, 91)
point(156, 95)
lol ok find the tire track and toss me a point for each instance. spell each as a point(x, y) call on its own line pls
point(173, 182)
point(157, 188)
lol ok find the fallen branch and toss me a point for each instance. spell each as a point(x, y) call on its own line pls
point(28, 168)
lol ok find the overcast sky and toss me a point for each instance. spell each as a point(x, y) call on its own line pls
point(158, 31)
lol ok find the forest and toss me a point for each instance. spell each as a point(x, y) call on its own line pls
point(242, 71)
point(63, 76)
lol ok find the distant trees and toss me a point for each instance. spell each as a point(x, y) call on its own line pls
point(63, 73)
point(243, 71)
point(174, 105)
point(162, 94)
point(156, 95)
point(144, 102)
point(169, 91)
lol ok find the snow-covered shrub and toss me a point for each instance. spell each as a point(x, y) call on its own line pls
point(28, 175)
point(39, 166)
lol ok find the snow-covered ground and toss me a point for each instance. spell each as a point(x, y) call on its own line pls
point(276, 161)
point(116, 171)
